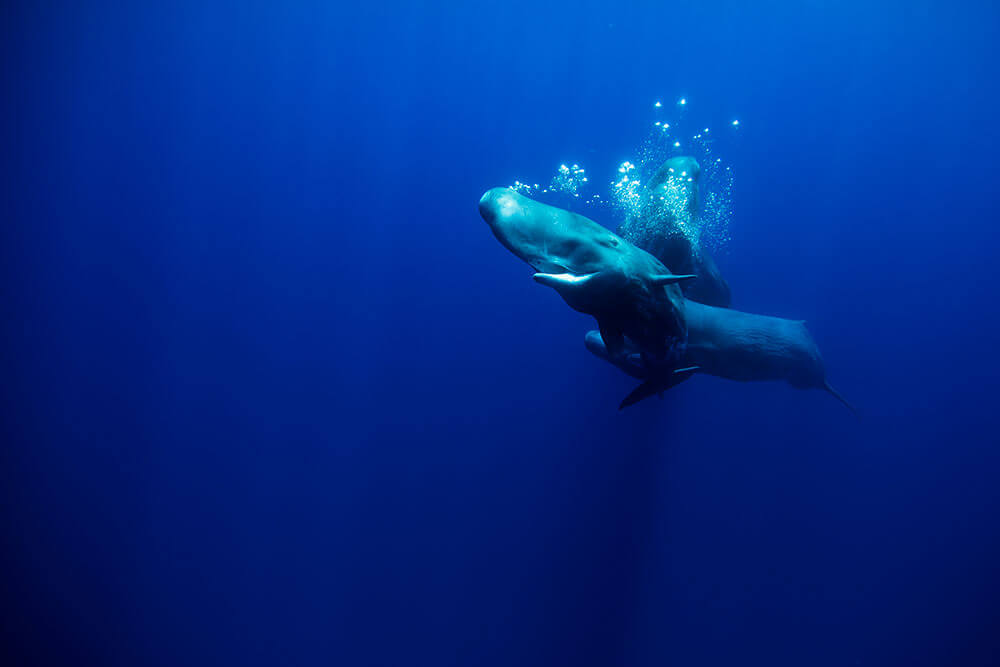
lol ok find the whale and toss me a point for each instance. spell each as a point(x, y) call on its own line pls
point(645, 326)
point(670, 206)
point(729, 344)
point(628, 291)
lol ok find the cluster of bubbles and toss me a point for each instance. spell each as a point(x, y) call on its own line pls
point(668, 205)
point(627, 191)
point(717, 207)
point(567, 181)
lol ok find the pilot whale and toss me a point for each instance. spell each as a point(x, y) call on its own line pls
point(640, 311)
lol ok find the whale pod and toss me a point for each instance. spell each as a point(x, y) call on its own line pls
point(647, 328)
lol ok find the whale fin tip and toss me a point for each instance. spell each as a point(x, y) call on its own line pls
point(656, 386)
point(670, 279)
point(836, 394)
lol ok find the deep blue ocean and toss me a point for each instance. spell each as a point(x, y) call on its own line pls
point(274, 395)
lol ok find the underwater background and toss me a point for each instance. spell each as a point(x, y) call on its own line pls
point(273, 394)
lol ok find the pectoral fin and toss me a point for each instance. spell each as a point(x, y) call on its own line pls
point(657, 385)
point(665, 279)
point(561, 281)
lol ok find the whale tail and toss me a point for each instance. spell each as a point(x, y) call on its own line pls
point(836, 394)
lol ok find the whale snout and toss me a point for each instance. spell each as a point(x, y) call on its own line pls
point(487, 207)
point(595, 344)
point(498, 205)
point(504, 211)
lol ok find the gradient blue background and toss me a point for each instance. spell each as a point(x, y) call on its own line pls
point(272, 393)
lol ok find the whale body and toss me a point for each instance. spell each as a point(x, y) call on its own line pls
point(628, 291)
point(729, 344)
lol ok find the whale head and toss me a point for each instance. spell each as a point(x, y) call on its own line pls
point(550, 239)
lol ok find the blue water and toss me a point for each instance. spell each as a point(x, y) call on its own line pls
point(273, 394)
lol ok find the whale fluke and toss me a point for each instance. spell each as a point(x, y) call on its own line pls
point(671, 279)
